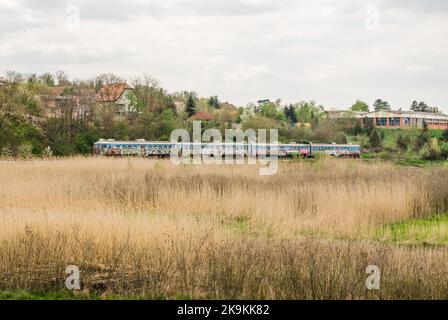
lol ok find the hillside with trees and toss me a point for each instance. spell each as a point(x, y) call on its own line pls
point(39, 113)
point(50, 114)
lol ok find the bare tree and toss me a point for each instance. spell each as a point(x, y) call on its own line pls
point(62, 78)
point(14, 76)
point(107, 78)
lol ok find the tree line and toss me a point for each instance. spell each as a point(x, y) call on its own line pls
point(48, 113)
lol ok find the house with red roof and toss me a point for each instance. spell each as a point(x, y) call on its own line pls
point(204, 116)
point(120, 94)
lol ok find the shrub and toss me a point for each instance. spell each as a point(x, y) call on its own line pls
point(6, 152)
point(432, 151)
point(25, 150)
point(47, 152)
point(444, 149)
point(403, 143)
point(375, 141)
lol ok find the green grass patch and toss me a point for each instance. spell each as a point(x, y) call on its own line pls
point(426, 231)
point(60, 295)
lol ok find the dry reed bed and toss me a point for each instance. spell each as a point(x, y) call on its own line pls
point(152, 228)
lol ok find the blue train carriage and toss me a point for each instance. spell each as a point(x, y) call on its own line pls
point(143, 148)
point(139, 148)
point(296, 149)
point(338, 150)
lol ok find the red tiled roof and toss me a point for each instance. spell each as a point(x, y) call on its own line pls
point(205, 116)
point(111, 92)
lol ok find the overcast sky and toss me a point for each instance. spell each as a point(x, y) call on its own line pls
point(242, 50)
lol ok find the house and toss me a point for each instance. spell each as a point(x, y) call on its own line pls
point(204, 116)
point(120, 94)
point(395, 119)
point(62, 101)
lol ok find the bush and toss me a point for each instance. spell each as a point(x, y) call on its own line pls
point(25, 150)
point(375, 141)
point(432, 152)
point(423, 139)
point(403, 143)
point(47, 152)
point(444, 150)
point(6, 152)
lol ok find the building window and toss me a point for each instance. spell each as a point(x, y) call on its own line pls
point(394, 122)
point(381, 121)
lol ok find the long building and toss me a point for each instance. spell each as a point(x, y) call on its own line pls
point(392, 119)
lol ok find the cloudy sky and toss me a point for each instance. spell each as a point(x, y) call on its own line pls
point(242, 50)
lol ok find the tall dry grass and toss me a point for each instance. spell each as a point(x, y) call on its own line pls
point(136, 226)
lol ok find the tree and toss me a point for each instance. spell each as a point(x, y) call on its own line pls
point(214, 102)
point(107, 78)
point(381, 105)
point(62, 78)
point(444, 136)
point(423, 138)
point(269, 110)
point(424, 107)
point(290, 113)
point(190, 106)
point(369, 126)
point(360, 106)
point(375, 140)
point(308, 111)
point(357, 130)
point(433, 151)
point(14, 77)
point(47, 79)
point(403, 143)
point(414, 106)
point(420, 106)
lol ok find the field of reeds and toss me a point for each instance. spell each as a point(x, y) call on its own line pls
point(148, 228)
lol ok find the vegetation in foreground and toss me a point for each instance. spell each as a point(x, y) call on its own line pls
point(432, 230)
point(141, 228)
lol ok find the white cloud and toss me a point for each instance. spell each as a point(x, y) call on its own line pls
point(246, 72)
point(242, 50)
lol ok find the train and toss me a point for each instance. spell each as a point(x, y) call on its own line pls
point(160, 149)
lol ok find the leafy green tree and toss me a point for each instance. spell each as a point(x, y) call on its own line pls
point(357, 130)
point(423, 138)
point(47, 79)
point(444, 149)
point(214, 102)
point(308, 111)
point(269, 110)
point(190, 106)
point(420, 106)
point(414, 106)
point(369, 126)
point(375, 140)
point(444, 136)
point(290, 113)
point(381, 105)
point(432, 151)
point(424, 107)
point(360, 106)
point(403, 143)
